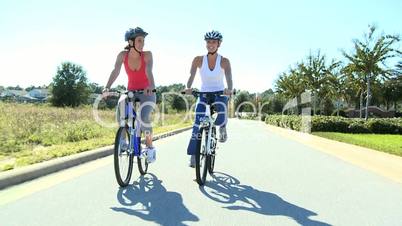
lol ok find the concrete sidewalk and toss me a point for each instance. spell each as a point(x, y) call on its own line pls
point(381, 163)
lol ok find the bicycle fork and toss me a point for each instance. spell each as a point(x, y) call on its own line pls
point(208, 123)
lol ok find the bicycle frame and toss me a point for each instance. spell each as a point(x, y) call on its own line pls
point(133, 128)
point(132, 122)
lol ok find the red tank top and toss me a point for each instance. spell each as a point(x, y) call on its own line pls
point(136, 79)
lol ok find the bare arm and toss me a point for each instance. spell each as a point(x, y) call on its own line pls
point(116, 71)
point(228, 72)
point(193, 71)
point(150, 75)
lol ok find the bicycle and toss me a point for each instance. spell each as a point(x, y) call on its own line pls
point(127, 143)
point(206, 137)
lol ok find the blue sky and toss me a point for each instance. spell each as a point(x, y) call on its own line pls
point(261, 38)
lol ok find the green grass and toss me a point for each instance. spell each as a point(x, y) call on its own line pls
point(388, 143)
point(35, 133)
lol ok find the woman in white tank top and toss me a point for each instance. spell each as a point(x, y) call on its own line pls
point(213, 69)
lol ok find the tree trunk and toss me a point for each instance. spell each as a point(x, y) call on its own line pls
point(298, 106)
point(337, 106)
point(361, 105)
point(314, 103)
point(368, 96)
point(313, 99)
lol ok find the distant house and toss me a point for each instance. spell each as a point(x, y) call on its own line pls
point(35, 95)
point(39, 94)
point(13, 93)
point(373, 111)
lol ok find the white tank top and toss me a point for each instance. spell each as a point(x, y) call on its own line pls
point(211, 81)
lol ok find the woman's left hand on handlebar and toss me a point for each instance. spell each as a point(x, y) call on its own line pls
point(228, 92)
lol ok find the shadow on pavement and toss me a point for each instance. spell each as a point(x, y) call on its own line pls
point(228, 190)
point(150, 201)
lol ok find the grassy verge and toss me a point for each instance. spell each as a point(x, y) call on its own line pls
point(35, 133)
point(388, 143)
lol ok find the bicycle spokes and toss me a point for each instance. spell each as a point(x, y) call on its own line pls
point(124, 144)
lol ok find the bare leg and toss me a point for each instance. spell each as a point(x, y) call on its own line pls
point(148, 140)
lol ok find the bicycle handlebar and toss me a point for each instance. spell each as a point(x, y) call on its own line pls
point(217, 93)
point(140, 91)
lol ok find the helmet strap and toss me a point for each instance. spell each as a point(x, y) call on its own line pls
point(137, 50)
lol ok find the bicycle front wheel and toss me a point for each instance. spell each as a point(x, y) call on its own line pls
point(123, 160)
point(213, 153)
point(202, 160)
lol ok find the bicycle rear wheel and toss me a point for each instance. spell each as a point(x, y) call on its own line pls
point(123, 160)
point(202, 160)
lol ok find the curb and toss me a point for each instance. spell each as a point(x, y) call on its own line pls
point(17, 176)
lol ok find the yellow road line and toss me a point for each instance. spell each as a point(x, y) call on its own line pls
point(22, 190)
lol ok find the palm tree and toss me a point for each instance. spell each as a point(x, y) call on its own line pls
point(240, 98)
point(319, 76)
point(314, 69)
point(331, 88)
point(398, 75)
point(292, 85)
point(354, 86)
point(370, 56)
point(392, 89)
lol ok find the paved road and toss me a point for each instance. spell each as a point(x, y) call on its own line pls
point(262, 179)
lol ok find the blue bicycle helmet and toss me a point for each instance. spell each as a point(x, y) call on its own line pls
point(213, 35)
point(133, 33)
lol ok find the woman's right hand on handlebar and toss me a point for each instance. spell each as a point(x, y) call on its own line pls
point(105, 92)
point(188, 91)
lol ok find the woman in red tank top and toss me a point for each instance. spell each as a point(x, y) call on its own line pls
point(138, 66)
